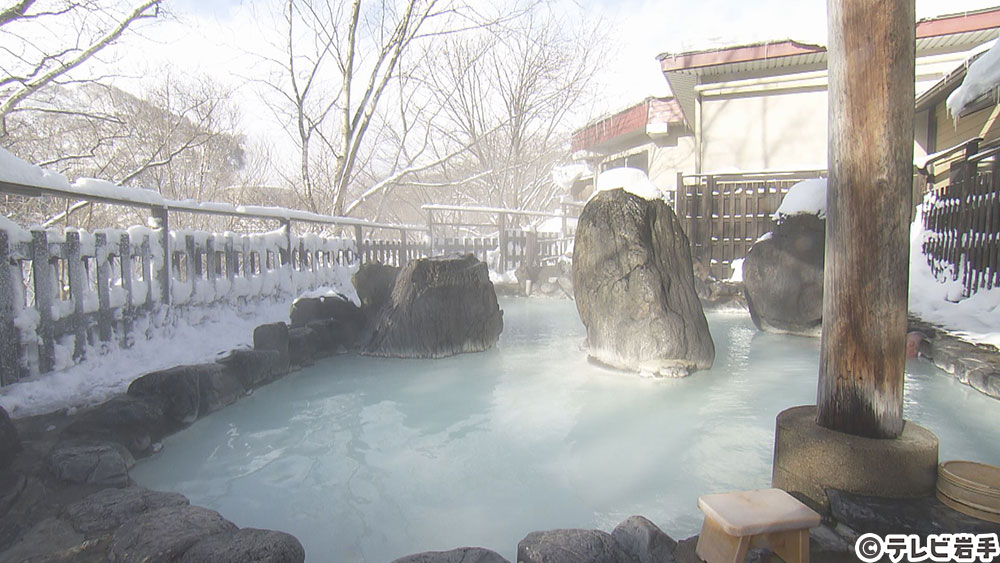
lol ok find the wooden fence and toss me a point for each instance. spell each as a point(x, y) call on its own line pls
point(962, 217)
point(723, 214)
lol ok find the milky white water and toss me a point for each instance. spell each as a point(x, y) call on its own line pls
point(367, 459)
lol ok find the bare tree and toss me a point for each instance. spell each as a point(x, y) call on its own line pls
point(43, 41)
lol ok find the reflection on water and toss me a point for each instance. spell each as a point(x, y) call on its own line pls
point(371, 459)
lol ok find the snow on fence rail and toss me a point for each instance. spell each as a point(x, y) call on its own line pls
point(64, 295)
point(962, 218)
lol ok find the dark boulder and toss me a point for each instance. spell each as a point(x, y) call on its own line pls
point(783, 277)
point(135, 422)
point(254, 367)
point(219, 388)
point(107, 509)
point(374, 282)
point(10, 443)
point(273, 336)
point(571, 546)
point(634, 286)
point(248, 544)
point(336, 311)
point(178, 390)
point(439, 307)
point(91, 463)
point(460, 555)
point(165, 534)
point(303, 345)
point(644, 541)
point(921, 516)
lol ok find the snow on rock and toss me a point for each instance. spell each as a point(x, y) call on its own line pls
point(566, 176)
point(632, 180)
point(939, 301)
point(983, 76)
point(17, 171)
point(807, 197)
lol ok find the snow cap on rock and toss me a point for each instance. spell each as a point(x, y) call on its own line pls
point(632, 180)
point(808, 197)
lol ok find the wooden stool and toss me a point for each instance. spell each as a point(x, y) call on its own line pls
point(771, 518)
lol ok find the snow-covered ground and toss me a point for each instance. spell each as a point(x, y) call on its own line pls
point(194, 336)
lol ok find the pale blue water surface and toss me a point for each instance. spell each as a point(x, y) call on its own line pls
point(367, 459)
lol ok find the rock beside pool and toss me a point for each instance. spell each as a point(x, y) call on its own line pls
point(248, 544)
point(644, 541)
point(91, 463)
point(571, 546)
point(374, 282)
point(177, 388)
point(134, 422)
point(335, 318)
point(460, 555)
point(783, 277)
point(10, 443)
point(922, 516)
point(165, 534)
point(106, 510)
point(634, 286)
point(439, 307)
point(272, 336)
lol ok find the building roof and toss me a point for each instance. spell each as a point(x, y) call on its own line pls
point(648, 117)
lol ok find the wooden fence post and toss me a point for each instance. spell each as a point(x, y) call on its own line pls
point(404, 248)
point(104, 318)
point(359, 242)
point(10, 340)
point(871, 91)
point(77, 283)
point(125, 261)
point(430, 232)
point(162, 217)
point(502, 223)
point(41, 269)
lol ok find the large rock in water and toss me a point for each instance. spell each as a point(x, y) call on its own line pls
point(634, 287)
point(439, 307)
point(783, 277)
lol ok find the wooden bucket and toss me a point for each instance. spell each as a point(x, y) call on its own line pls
point(970, 488)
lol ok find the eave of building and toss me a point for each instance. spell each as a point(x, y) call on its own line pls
point(612, 131)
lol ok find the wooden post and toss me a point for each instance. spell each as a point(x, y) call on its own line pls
point(404, 248)
point(430, 233)
point(77, 281)
point(162, 217)
point(128, 307)
point(104, 317)
point(359, 242)
point(10, 340)
point(871, 92)
point(44, 295)
point(503, 242)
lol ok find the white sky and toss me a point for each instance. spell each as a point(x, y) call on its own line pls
point(211, 37)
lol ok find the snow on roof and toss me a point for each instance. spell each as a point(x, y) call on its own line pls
point(807, 197)
point(632, 180)
point(983, 76)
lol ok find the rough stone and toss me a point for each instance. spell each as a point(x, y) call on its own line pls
point(374, 282)
point(11, 486)
point(644, 541)
point(921, 516)
point(10, 443)
point(165, 534)
point(634, 286)
point(809, 458)
point(218, 388)
point(253, 368)
point(107, 509)
point(439, 307)
point(91, 462)
point(301, 345)
point(460, 555)
point(135, 422)
point(331, 336)
point(178, 388)
point(273, 336)
point(571, 546)
point(945, 353)
point(985, 380)
point(783, 277)
point(337, 307)
point(248, 544)
point(49, 541)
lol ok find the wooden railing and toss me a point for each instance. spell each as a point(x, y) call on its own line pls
point(723, 214)
point(963, 216)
